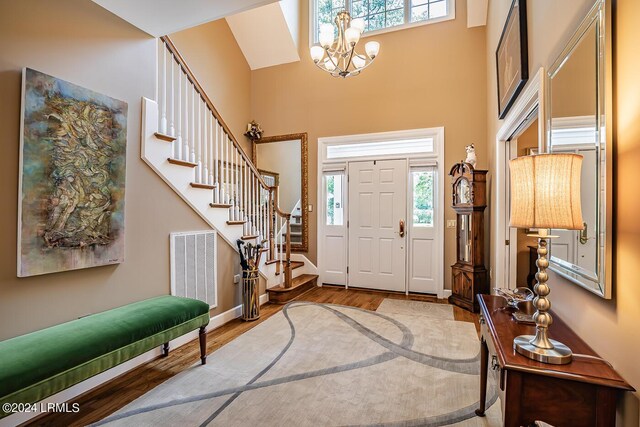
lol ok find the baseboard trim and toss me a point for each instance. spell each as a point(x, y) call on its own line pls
point(87, 385)
point(446, 293)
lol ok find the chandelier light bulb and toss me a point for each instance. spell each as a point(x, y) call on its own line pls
point(358, 24)
point(372, 48)
point(358, 61)
point(317, 52)
point(352, 35)
point(326, 35)
point(329, 65)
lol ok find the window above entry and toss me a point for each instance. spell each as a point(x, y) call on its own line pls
point(381, 15)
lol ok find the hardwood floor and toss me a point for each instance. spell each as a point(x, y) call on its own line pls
point(108, 398)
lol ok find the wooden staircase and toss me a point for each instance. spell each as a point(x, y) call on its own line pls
point(186, 142)
point(299, 285)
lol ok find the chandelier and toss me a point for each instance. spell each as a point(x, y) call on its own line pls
point(339, 57)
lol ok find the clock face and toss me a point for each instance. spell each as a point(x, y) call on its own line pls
point(463, 192)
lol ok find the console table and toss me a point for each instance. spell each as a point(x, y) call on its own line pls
point(581, 393)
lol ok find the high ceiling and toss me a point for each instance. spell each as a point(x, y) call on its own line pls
point(161, 17)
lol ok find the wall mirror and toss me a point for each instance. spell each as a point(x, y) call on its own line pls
point(579, 121)
point(282, 162)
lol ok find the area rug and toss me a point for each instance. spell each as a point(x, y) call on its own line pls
point(328, 365)
point(392, 306)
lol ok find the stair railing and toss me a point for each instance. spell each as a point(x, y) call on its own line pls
point(202, 140)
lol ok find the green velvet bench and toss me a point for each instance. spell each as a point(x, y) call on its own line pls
point(42, 363)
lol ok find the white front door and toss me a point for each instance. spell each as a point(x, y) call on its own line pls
point(377, 224)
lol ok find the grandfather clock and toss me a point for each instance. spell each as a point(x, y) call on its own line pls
point(468, 274)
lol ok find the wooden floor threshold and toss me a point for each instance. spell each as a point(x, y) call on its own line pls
point(182, 163)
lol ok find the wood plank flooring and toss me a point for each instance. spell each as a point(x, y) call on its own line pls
point(108, 398)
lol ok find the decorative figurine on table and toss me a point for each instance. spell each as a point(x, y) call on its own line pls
point(471, 155)
point(254, 131)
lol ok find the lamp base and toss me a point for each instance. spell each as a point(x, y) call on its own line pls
point(560, 354)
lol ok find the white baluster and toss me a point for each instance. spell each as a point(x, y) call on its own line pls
point(177, 152)
point(185, 149)
point(172, 105)
point(205, 145)
point(261, 206)
point(243, 205)
point(237, 171)
point(164, 84)
point(234, 180)
point(212, 159)
point(198, 144)
point(160, 85)
point(194, 140)
point(216, 161)
point(226, 169)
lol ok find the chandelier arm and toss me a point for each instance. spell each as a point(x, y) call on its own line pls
point(353, 49)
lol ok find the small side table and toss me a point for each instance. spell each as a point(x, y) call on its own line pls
point(581, 393)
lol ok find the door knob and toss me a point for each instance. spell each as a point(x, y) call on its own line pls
point(401, 228)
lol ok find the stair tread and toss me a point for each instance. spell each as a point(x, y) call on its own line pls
point(220, 205)
point(182, 163)
point(294, 265)
point(203, 186)
point(296, 282)
point(236, 222)
point(164, 137)
point(250, 237)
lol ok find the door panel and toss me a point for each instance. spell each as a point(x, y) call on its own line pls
point(377, 253)
point(333, 269)
point(424, 260)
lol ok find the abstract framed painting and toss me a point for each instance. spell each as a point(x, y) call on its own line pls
point(512, 57)
point(72, 177)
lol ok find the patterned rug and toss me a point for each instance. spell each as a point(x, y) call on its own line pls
point(329, 365)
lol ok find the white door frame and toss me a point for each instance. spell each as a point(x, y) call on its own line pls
point(532, 97)
point(434, 158)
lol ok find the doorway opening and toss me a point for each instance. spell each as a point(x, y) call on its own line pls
point(522, 249)
point(382, 211)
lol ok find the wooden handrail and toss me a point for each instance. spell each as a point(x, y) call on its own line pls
point(192, 78)
point(273, 191)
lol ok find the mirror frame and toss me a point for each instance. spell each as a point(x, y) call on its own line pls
point(304, 176)
point(601, 15)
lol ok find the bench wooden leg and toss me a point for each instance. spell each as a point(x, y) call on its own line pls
point(165, 349)
point(203, 344)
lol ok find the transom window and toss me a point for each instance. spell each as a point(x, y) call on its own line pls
point(382, 14)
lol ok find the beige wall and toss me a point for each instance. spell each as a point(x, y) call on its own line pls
point(215, 58)
point(79, 41)
point(610, 327)
point(428, 76)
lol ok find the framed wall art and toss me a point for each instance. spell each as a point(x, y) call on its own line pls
point(72, 177)
point(512, 62)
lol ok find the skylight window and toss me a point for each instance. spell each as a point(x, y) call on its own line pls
point(380, 15)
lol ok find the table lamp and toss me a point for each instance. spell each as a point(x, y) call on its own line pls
point(545, 194)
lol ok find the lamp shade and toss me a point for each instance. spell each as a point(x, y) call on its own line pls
point(545, 191)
